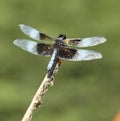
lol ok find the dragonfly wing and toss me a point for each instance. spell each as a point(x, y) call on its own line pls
point(34, 47)
point(33, 33)
point(78, 55)
point(85, 42)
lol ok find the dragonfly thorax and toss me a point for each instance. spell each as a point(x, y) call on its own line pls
point(59, 42)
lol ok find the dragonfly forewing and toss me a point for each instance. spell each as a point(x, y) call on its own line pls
point(85, 42)
point(33, 33)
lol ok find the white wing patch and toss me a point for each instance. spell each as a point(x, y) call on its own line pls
point(86, 42)
point(82, 55)
point(30, 31)
point(27, 45)
point(91, 41)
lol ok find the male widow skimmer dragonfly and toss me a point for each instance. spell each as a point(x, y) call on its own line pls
point(59, 48)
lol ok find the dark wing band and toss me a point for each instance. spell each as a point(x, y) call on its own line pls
point(78, 55)
point(66, 53)
point(44, 49)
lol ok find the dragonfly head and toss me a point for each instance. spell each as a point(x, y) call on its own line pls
point(61, 36)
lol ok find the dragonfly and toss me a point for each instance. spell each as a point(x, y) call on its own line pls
point(60, 48)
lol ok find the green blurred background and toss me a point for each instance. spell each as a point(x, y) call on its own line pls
point(83, 91)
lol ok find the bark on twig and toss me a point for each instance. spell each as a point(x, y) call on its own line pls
point(36, 102)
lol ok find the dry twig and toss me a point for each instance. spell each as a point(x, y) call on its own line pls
point(36, 102)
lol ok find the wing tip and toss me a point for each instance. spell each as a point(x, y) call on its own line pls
point(15, 42)
point(99, 56)
point(19, 42)
point(96, 55)
point(21, 26)
point(27, 45)
point(103, 39)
